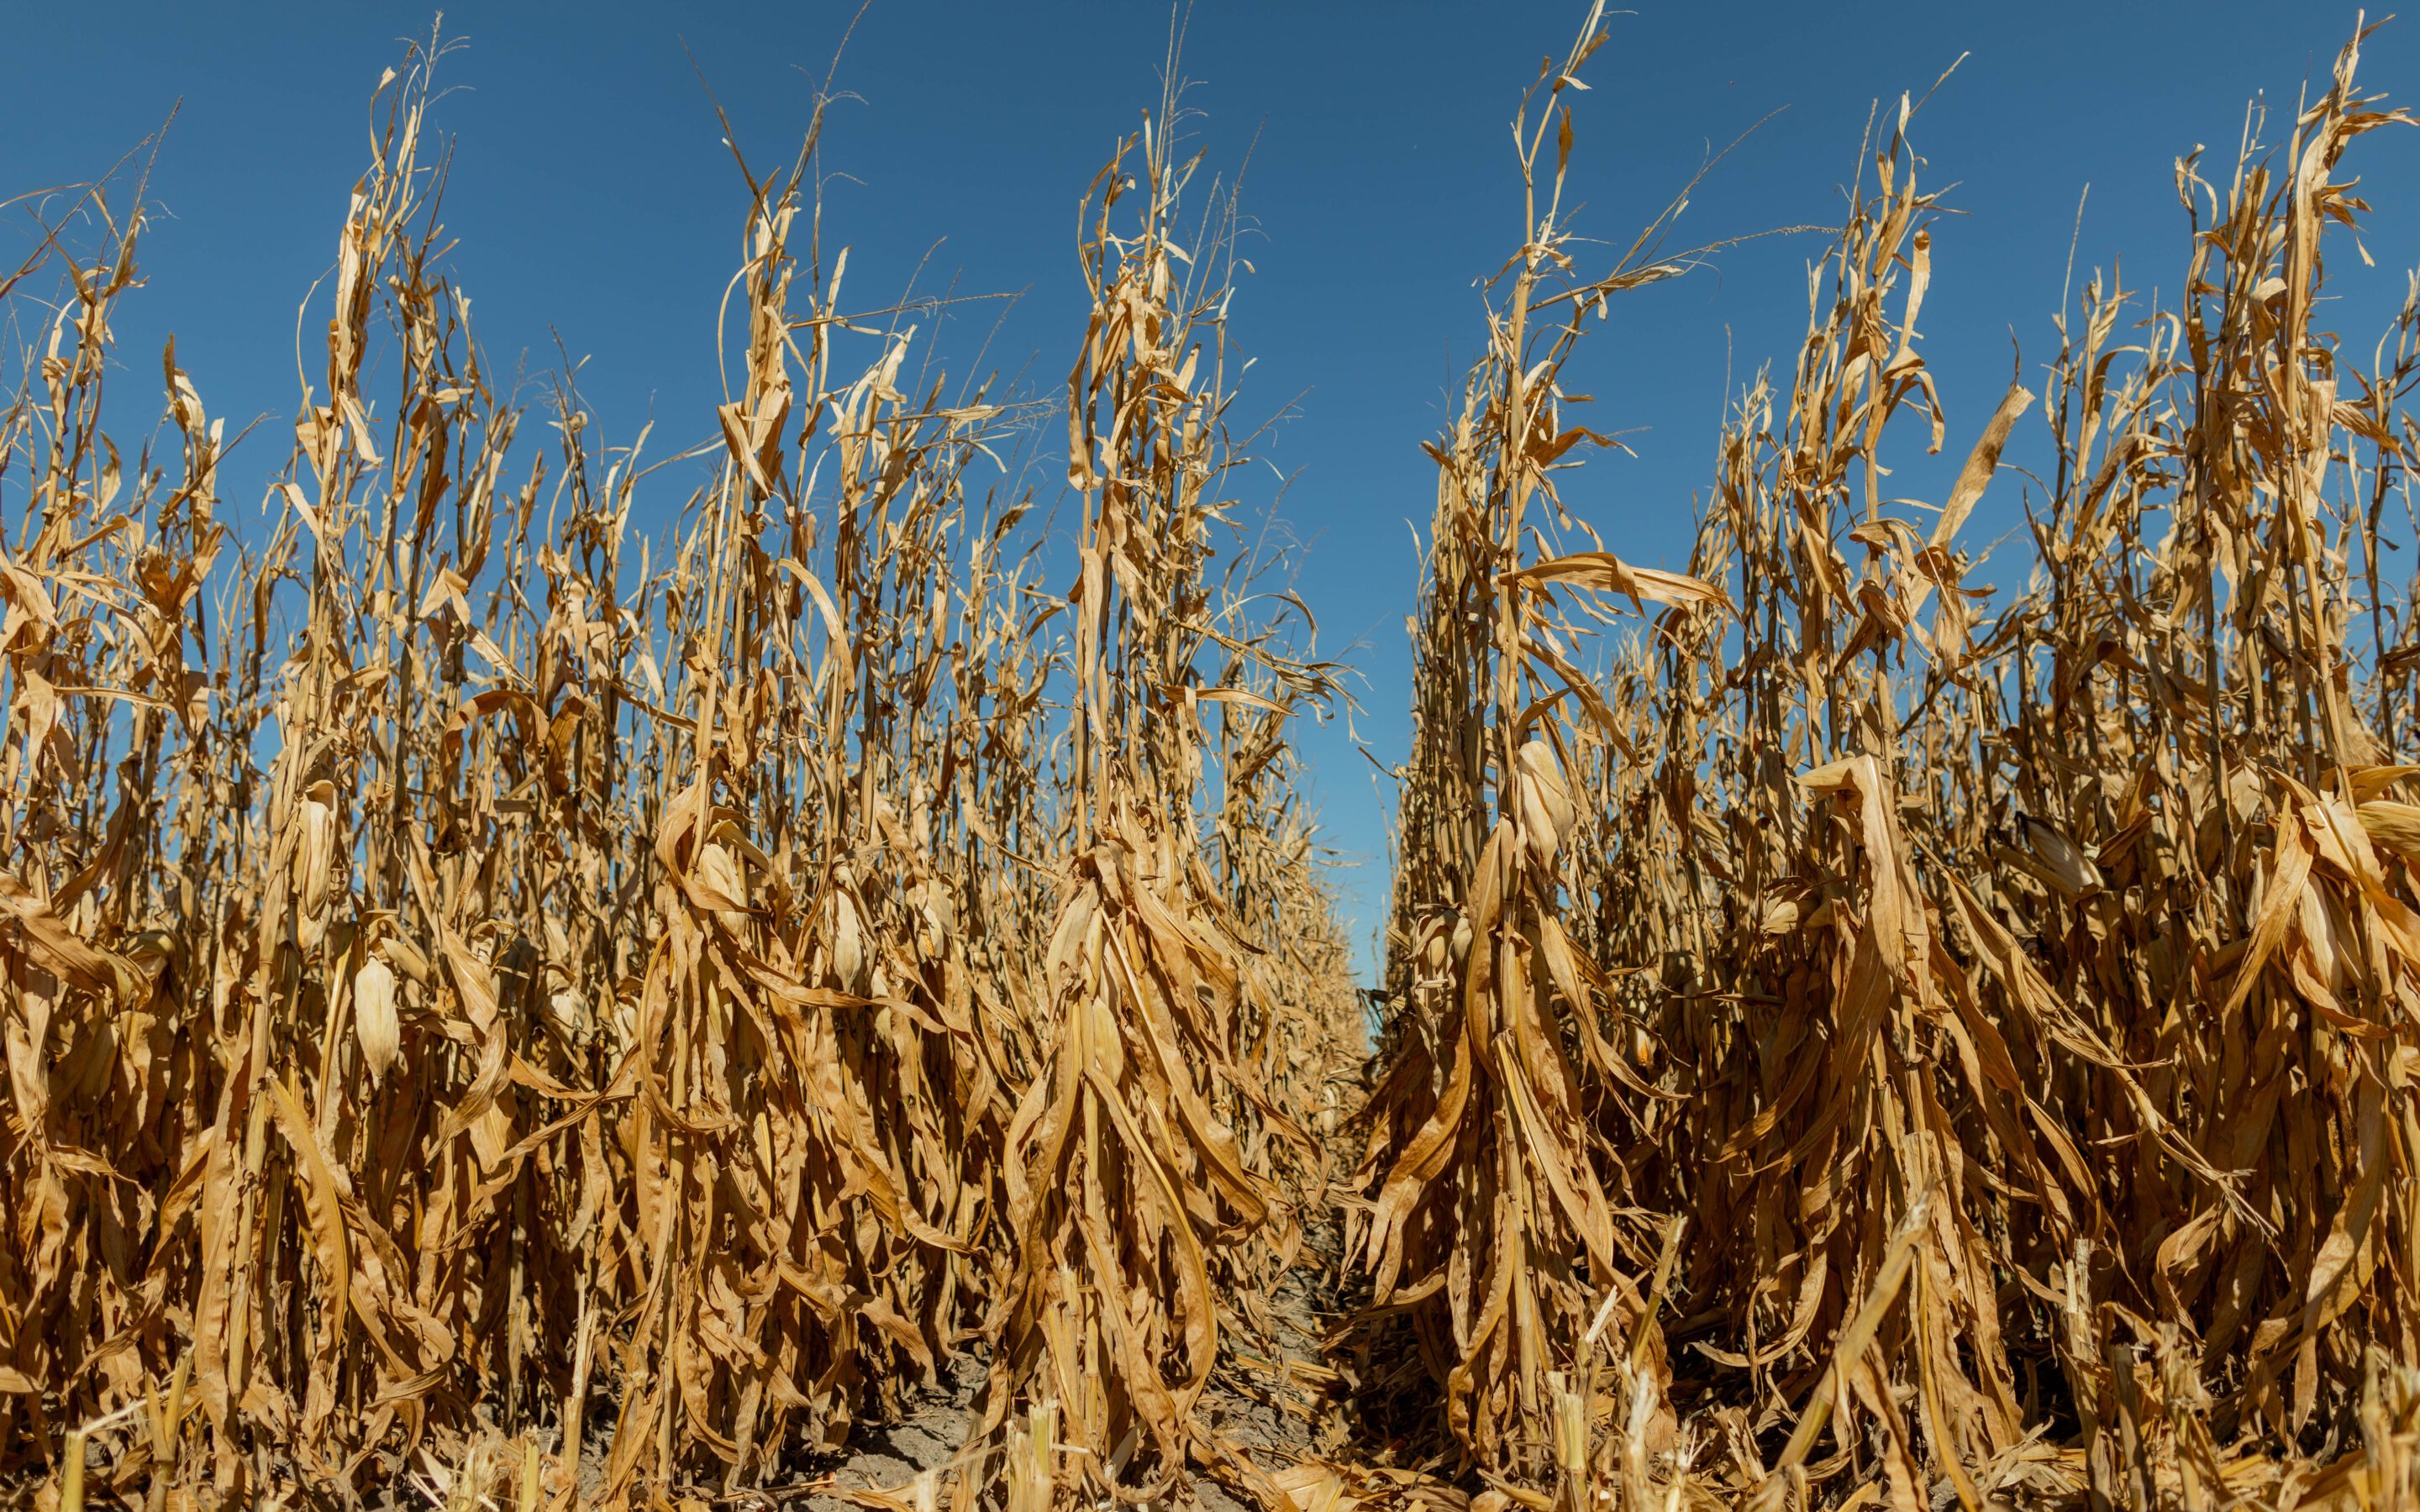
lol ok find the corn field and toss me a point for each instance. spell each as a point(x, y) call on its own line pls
point(508, 1005)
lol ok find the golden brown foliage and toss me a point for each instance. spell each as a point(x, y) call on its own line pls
point(483, 980)
point(487, 981)
point(2005, 1018)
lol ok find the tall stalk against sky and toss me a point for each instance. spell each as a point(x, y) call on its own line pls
point(1501, 1212)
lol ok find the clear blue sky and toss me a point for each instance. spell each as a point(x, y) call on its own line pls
point(594, 200)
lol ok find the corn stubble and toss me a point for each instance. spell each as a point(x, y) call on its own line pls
point(487, 982)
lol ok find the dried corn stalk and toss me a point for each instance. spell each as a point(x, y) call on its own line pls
point(461, 953)
point(1502, 1216)
point(2018, 992)
point(1124, 1174)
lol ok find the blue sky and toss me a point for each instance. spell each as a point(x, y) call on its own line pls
point(595, 203)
